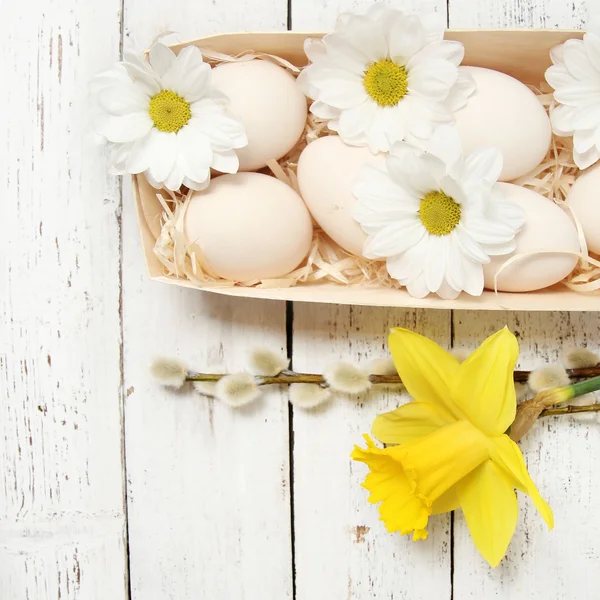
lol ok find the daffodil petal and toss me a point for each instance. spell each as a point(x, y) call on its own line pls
point(410, 422)
point(447, 502)
point(490, 505)
point(484, 387)
point(508, 456)
point(426, 370)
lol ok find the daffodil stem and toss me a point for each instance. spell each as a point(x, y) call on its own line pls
point(587, 386)
point(288, 377)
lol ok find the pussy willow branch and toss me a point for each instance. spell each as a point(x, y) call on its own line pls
point(287, 377)
point(570, 410)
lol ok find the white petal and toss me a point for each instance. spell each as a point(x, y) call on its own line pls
point(314, 49)
point(197, 186)
point(469, 247)
point(355, 121)
point(224, 132)
point(583, 140)
point(188, 75)
point(175, 178)
point(446, 144)
point(393, 239)
point(434, 25)
point(461, 91)
point(484, 164)
point(196, 151)
point(577, 62)
point(324, 111)
point(226, 162)
point(346, 55)
point(366, 35)
point(432, 78)
point(587, 117)
point(123, 99)
point(339, 88)
point(124, 128)
point(473, 278)
point(161, 58)
point(579, 93)
point(451, 51)
point(437, 252)
point(455, 190)
point(406, 37)
point(417, 287)
point(454, 270)
point(592, 48)
point(562, 120)
point(586, 159)
point(447, 292)
point(558, 76)
point(556, 54)
point(162, 153)
point(487, 231)
point(407, 266)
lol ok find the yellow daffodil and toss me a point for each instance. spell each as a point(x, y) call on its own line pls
point(450, 447)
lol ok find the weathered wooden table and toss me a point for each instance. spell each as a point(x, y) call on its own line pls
point(113, 488)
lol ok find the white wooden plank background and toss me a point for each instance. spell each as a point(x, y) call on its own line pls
point(113, 488)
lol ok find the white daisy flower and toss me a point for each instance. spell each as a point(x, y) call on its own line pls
point(575, 77)
point(384, 77)
point(162, 118)
point(436, 216)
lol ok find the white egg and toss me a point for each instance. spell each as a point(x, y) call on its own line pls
point(266, 99)
point(584, 199)
point(249, 226)
point(547, 227)
point(505, 113)
point(326, 172)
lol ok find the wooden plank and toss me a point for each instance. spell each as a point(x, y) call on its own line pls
point(208, 486)
point(62, 497)
point(342, 549)
point(540, 564)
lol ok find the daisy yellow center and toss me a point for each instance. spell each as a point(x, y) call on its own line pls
point(386, 82)
point(169, 111)
point(439, 213)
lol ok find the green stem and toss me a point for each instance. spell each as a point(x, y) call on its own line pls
point(587, 386)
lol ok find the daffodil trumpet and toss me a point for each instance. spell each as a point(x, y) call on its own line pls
point(449, 447)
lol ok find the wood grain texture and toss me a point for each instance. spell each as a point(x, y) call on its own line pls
point(208, 486)
point(540, 564)
point(321, 15)
point(62, 497)
point(342, 549)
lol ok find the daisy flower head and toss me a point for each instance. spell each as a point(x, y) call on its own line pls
point(575, 78)
point(435, 216)
point(384, 77)
point(162, 118)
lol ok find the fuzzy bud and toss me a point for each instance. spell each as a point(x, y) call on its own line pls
point(580, 358)
point(460, 354)
point(522, 391)
point(169, 372)
point(347, 377)
point(237, 389)
point(266, 362)
point(547, 378)
point(382, 366)
point(308, 395)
